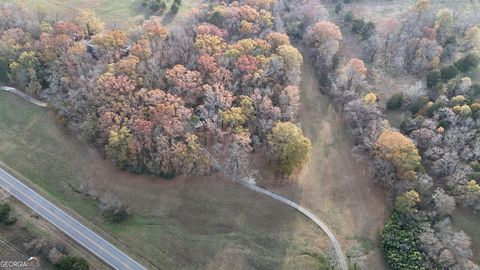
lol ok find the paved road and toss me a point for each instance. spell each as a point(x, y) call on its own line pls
point(23, 95)
point(87, 238)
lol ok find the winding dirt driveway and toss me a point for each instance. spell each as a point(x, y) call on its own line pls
point(309, 214)
point(24, 96)
point(336, 245)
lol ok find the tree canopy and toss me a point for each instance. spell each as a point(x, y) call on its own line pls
point(290, 148)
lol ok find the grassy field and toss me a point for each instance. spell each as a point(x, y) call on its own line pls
point(376, 10)
point(194, 223)
point(116, 13)
point(333, 184)
point(470, 224)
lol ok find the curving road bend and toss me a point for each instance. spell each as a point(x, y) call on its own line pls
point(336, 245)
point(87, 238)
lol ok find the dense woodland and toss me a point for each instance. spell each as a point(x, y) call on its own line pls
point(225, 85)
point(153, 98)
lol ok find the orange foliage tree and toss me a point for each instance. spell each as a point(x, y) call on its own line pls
point(400, 150)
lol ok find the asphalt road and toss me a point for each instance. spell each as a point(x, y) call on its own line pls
point(87, 238)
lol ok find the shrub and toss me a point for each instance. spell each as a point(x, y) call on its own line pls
point(417, 105)
point(115, 214)
point(436, 105)
point(474, 91)
point(475, 165)
point(112, 210)
point(349, 17)
point(175, 8)
point(450, 40)
point(3, 70)
point(443, 123)
point(395, 101)
point(448, 73)
point(400, 238)
point(70, 262)
point(338, 8)
point(368, 30)
point(218, 18)
point(358, 25)
point(474, 175)
point(468, 62)
point(4, 212)
point(154, 5)
point(434, 78)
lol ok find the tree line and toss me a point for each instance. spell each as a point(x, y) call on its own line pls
point(153, 99)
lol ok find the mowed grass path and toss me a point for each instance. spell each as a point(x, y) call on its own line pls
point(185, 223)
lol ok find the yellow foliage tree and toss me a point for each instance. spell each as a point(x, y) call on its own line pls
point(89, 22)
point(463, 110)
point(444, 20)
point(234, 118)
point(111, 40)
point(246, 104)
point(370, 99)
point(473, 186)
point(117, 149)
point(407, 201)
point(290, 148)
point(473, 37)
point(422, 5)
point(400, 150)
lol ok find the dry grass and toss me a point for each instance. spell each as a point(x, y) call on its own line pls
point(378, 10)
point(185, 223)
point(115, 13)
point(469, 223)
point(333, 184)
